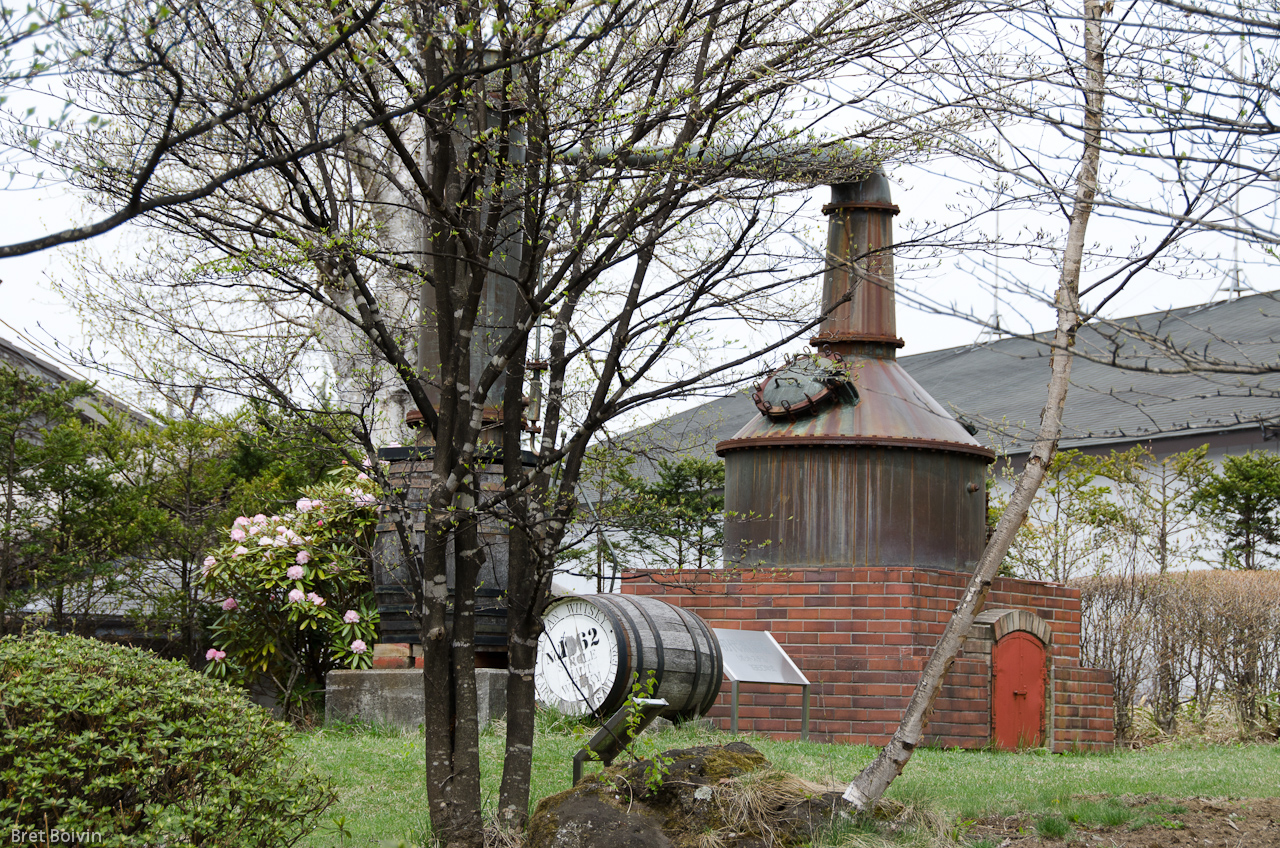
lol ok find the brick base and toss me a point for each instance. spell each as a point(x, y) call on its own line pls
point(862, 636)
point(388, 655)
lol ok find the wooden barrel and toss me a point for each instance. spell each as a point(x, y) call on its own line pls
point(653, 638)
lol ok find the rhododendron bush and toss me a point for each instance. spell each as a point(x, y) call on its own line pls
point(295, 591)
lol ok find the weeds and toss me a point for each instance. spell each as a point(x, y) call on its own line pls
point(378, 774)
point(373, 730)
point(1053, 827)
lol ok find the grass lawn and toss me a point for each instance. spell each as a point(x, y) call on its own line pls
point(379, 775)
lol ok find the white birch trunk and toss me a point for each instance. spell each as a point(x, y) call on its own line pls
point(869, 786)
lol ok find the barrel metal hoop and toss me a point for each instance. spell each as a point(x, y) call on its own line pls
point(716, 679)
point(622, 677)
point(657, 644)
point(691, 623)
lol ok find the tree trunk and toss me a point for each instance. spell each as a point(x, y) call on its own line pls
point(869, 786)
point(466, 828)
point(1167, 697)
point(437, 677)
point(524, 607)
point(6, 564)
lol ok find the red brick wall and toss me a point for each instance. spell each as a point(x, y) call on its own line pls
point(862, 635)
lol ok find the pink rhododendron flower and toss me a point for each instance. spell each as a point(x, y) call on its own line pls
point(352, 617)
point(210, 562)
point(303, 557)
point(362, 476)
point(237, 534)
point(359, 647)
point(255, 529)
point(304, 505)
point(229, 604)
point(214, 655)
point(240, 551)
point(242, 521)
point(263, 540)
point(315, 599)
point(259, 519)
point(280, 542)
point(364, 500)
point(366, 462)
point(297, 596)
point(295, 572)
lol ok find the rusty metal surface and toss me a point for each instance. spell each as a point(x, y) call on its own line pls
point(812, 506)
point(892, 409)
point(889, 479)
point(859, 237)
point(804, 386)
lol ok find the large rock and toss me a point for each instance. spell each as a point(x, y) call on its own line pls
point(702, 794)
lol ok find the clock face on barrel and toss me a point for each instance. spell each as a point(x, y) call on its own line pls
point(577, 657)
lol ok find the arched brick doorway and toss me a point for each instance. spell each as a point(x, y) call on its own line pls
point(1018, 687)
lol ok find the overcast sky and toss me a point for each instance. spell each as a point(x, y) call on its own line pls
point(34, 314)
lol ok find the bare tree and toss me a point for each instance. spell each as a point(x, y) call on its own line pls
point(614, 181)
point(1187, 124)
point(83, 57)
point(1090, 79)
point(1191, 138)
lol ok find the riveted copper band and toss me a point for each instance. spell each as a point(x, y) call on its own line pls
point(828, 208)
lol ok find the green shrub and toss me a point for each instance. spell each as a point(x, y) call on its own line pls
point(143, 751)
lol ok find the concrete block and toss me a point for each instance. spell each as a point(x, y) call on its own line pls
point(491, 695)
point(394, 696)
point(377, 696)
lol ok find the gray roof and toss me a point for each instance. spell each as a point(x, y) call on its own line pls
point(24, 360)
point(1000, 386)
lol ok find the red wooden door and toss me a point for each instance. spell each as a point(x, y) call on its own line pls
point(1017, 691)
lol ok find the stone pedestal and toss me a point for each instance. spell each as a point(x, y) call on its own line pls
point(394, 696)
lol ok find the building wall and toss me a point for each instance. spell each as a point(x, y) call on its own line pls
point(862, 636)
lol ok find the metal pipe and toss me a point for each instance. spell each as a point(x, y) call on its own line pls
point(804, 714)
point(617, 566)
point(814, 163)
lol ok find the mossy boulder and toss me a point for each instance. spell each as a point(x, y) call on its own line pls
point(594, 813)
point(729, 792)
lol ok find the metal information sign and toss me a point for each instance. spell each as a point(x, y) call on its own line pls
point(754, 656)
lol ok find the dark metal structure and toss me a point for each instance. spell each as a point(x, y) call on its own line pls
point(410, 470)
point(851, 462)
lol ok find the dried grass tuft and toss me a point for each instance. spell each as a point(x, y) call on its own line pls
point(714, 838)
point(895, 825)
point(1219, 725)
point(753, 802)
point(499, 835)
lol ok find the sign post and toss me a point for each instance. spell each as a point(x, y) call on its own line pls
point(754, 656)
point(618, 732)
